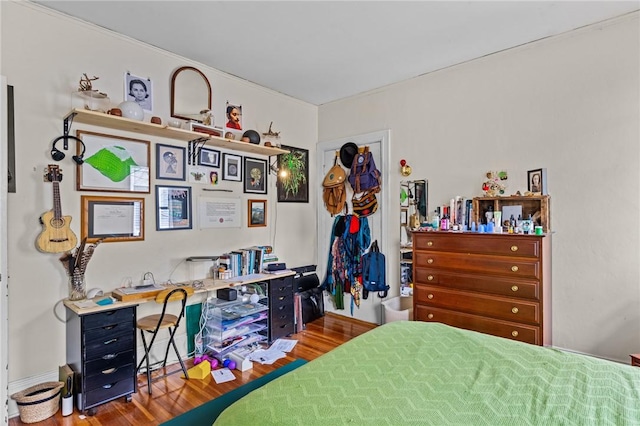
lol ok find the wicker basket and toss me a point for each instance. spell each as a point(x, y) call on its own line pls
point(38, 402)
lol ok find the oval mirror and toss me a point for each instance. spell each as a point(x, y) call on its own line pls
point(190, 93)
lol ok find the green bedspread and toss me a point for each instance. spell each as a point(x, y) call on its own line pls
point(429, 373)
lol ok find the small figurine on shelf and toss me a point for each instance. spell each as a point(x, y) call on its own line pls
point(493, 186)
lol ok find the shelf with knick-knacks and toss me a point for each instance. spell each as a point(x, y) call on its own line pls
point(96, 118)
point(520, 207)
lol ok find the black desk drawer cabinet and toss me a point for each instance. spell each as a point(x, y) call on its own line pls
point(281, 314)
point(101, 351)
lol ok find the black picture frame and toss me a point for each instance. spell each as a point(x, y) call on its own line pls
point(173, 208)
point(209, 157)
point(255, 175)
point(171, 162)
point(231, 167)
point(537, 181)
point(298, 191)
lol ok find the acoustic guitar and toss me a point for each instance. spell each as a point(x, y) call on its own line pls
point(56, 237)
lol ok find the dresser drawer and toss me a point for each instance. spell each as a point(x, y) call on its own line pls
point(113, 344)
point(281, 287)
point(281, 329)
point(511, 287)
point(108, 361)
point(480, 264)
point(281, 300)
point(515, 310)
point(108, 377)
point(514, 331)
point(109, 391)
point(108, 319)
point(499, 245)
point(282, 313)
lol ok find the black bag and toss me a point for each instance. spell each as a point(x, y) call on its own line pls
point(312, 304)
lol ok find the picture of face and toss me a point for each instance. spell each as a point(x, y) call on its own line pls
point(138, 90)
point(234, 117)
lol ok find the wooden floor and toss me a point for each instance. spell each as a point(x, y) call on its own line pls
point(173, 395)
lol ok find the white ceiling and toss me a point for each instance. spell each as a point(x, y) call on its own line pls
point(321, 51)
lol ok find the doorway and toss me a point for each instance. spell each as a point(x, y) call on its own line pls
point(379, 146)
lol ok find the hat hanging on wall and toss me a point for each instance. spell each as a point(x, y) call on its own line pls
point(348, 151)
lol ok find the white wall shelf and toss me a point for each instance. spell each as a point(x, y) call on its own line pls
point(95, 118)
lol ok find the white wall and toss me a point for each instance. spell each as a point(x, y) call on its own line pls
point(568, 103)
point(44, 55)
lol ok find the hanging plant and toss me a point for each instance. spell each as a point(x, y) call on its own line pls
point(292, 172)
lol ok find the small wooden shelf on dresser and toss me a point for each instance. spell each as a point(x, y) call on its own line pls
point(496, 284)
point(538, 206)
point(101, 119)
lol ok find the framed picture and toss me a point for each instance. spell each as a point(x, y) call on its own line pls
point(293, 184)
point(209, 130)
point(209, 157)
point(173, 208)
point(233, 117)
point(537, 181)
point(255, 175)
point(231, 167)
point(112, 219)
point(170, 162)
point(113, 163)
point(404, 216)
point(257, 213)
point(138, 90)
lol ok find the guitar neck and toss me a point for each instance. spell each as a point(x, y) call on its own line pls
point(57, 209)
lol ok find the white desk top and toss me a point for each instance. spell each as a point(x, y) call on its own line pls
point(209, 284)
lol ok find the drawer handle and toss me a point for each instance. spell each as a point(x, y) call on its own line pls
point(280, 308)
point(283, 316)
point(514, 268)
point(429, 296)
point(514, 333)
point(430, 278)
point(429, 260)
point(429, 243)
point(430, 316)
point(109, 327)
point(110, 313)
point(109, 356)
point(108, 342)
point(514, 288)
point(281, 288)
point(108, 386)
point(110, 370)
point(514, 310)
point(282, 297)
point(514, 248)
point(284, 325)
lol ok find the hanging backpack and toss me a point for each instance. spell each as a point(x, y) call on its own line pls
point(364, 175)
point(334, 192)
point(373, 271)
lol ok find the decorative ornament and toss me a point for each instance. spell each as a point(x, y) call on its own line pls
point(494, 186)
point(271, 132)
point(405, 169)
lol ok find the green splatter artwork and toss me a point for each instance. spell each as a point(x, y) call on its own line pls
point(114, 162)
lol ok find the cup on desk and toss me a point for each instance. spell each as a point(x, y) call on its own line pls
point(538, 230)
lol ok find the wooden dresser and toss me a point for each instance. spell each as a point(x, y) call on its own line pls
point(497, 284)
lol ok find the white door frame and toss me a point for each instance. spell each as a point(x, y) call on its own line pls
point(4, 285)
point(323, 233)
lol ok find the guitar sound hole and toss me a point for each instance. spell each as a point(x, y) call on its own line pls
point(57, 223)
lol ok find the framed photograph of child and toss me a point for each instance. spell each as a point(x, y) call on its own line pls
point(138, 90)
point(537, 181)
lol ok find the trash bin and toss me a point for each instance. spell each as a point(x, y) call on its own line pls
point(398, 309)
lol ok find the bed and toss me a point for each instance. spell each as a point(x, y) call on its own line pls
point(423, 373)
